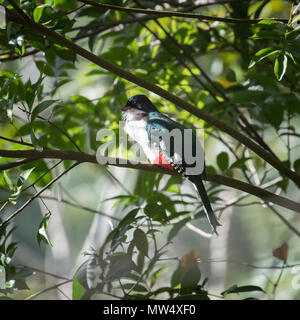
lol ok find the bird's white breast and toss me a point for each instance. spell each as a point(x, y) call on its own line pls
point(135, 127)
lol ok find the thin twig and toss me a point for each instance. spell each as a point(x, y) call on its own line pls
point(47, 289)
point(81, 207)
point(47, 186)
point(15, 164)
point(275, 285)
point(46, 273)
point(16, 141)
point(62, 131)
point(43, 175)
point(59, 290)
point(176, 14)
point(246, 264)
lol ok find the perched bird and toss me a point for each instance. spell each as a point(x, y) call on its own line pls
point(166, 143)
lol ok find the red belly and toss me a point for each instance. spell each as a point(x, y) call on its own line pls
point(161, 161)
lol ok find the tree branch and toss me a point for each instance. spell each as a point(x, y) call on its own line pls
point(46, 187)
point(175, 13)
point(25, 20)
point(15, 164)
point(242, 122)
point(197, 4)
point(81, 157)
point(47, 289)
point(16, 141)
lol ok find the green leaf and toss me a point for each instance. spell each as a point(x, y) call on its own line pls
point(262, 54)
point(266, 34)
point(120, 266)
point(177, 276)
point(140, 261)
point(270, 21)
point(293, 34)
point(8, 180)
point(20, 285)
point(211, 169)
point(190, 279)
point(176, 228)
point(156, 212)
point(35, 141)
point(296, 18)
point(87, 273)
point(23, 273)
point(42, 232)
point(121, 229)
point(44, 68)
point(33, 91)
point(223, 161)
point(8, 83)
point(297, 166)
point(64, 53)
point(18, 188)
point(41, 107)
point(290, 55)
point(77, 290)
point(237, 289)
point(240, 163)
point(280, 66)
point(38, 12)
point(24, 176)
point(65, 4)
point(141, 241)
point(156, 274)
point(172, 181)
point(296, 57)
point(11, 248)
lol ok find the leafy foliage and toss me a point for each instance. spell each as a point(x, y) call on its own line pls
point(124, 256)
point(12, 277)
point(245, 74)
point(285, 36)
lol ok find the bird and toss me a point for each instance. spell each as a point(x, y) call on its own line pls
point(151, 130)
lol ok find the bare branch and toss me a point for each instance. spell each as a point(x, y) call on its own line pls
point(47, 289)
point(16, 141)
point(46, 273)
point(15, 164)
point(84, 157)
point(175, 13)
point(47, 186)
point(250, 265)
point(82, 207)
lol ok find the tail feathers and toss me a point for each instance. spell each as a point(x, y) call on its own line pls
point(208, 209)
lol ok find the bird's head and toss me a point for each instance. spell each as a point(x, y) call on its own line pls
point(138, 106)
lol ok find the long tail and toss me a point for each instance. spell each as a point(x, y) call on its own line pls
point(208, 209)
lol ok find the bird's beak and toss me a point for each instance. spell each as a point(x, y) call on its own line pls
point(125, 108)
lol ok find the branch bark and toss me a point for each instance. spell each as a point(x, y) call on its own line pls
point(81, 157)
point(26, 21)
point(174, 13)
